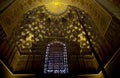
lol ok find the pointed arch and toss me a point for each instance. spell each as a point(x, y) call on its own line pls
point(56, 58)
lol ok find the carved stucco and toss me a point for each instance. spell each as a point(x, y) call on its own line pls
point(12, 15)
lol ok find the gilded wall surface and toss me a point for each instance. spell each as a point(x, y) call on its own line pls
point(99, 15)
point(12, 15)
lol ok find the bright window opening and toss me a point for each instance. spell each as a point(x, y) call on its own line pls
point(56, 59)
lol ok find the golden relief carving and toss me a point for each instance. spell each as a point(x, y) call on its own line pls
point(34, 30)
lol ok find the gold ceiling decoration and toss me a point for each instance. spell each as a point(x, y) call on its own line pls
point(38, 25)
point(56, 8)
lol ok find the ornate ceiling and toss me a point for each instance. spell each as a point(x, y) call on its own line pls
point(51, 22)
point(39, 25)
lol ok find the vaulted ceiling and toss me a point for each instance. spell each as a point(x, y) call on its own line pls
point(31, 25)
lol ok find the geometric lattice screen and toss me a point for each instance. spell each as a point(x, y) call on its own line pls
point(56, 58)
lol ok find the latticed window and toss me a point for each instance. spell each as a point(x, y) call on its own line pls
point(56, 59)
